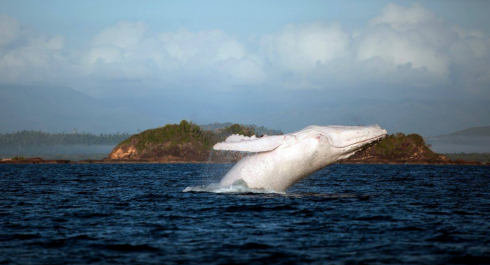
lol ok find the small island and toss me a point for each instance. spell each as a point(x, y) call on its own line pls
point(187, 142)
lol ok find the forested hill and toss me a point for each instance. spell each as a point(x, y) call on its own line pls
point(24, 139)
point(258, 130)
point(184, 142)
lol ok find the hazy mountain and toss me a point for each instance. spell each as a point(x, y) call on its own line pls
point(474, 132)
point(408, 116)
point(62, 109)
point(475, 139)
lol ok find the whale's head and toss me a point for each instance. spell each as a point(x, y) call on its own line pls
point(282, 160)
point(344, 141)
point(326, 143)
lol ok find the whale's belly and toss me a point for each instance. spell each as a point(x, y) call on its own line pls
point(279, 169)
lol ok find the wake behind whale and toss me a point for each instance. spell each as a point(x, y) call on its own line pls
point(280, 161)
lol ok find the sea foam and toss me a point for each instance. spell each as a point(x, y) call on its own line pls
point(239, 186)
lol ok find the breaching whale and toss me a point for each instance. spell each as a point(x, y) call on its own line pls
point(280, 161)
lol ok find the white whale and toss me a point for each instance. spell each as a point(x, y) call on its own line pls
point(282, 160)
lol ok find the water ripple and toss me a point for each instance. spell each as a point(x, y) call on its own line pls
point(174, 214)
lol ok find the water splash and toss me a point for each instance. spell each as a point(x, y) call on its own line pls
point(218, 164)
point(238, 186)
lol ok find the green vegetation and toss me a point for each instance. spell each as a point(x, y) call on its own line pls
point(258, 130)
point(172, 135)
point(189, 142)
point(238, 129)
point(18, 158)
point(82, 146)
point(31, 139)
point(399, 145)
point(477, 157)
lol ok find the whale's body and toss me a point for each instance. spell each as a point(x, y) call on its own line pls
point(280, 161)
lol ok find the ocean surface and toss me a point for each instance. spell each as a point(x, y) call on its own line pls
point(343, 214)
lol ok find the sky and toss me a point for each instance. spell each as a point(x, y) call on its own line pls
point(233, 56)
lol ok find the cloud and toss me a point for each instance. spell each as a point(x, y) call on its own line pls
point(408, 46)
point(415, 37)
point(9, 29)
point(404, 46)
point(25, 56)
point(125, 35)
point(300, 48)
point(408, 35)
point(201, 48)
point(396, 49)
point(179, 57)
point(404, 18)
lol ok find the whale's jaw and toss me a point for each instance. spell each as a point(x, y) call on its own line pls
point(360, 137)
point(284, 160)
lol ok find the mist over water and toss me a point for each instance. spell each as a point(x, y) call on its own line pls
point(58, 150)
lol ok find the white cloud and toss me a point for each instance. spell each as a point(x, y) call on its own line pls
point(203, 47)
point(174, 57)
point(467, 49)
point(125, 35)
point(408, 35)
point(300, 48)
point(27, 57)
point(105, 54)
point(407, 46)
point(230, 49)
point(402, 18)
point(399, 49)
point(9, 29)
point(413, 38)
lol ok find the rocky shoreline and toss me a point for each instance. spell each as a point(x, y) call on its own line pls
point(188, 143)
point(148, 161)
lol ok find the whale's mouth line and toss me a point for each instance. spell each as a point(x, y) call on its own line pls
point(366, 140)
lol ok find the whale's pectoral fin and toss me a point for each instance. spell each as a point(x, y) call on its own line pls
point(250, 144)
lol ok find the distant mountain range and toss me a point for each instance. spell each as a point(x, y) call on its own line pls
point(62, 109)
point(474, 132)
point(475, 139)
point(426, 118)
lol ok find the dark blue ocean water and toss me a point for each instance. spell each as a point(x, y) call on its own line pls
point(343, 214)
